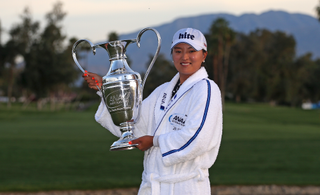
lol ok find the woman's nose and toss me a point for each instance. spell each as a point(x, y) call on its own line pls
point(185, 55)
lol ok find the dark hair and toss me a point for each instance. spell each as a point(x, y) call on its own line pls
point(204, 63)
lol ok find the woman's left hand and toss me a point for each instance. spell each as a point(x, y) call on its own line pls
point(144, 142)
point(93, 80)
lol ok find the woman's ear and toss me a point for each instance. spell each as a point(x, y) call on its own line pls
point(205, 55)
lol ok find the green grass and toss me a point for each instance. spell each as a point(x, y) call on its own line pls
point(268, 145)
point(69, 150)
point(60, 151)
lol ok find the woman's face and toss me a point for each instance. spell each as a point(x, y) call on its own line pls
point(187, 60)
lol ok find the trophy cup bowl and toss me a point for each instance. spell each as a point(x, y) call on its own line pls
point(122, 95)
point(122, 88)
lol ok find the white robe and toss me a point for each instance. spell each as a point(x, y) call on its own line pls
point(187, 132)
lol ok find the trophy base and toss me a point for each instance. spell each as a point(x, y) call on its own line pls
point(123, 142)
point(123, 147)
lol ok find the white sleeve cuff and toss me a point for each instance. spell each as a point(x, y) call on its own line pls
point(156, 140)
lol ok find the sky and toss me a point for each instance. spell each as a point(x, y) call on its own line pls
point(95, 19)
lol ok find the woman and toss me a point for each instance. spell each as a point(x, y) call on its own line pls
point(180, 127)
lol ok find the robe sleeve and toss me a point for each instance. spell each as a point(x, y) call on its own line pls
point(103, 117)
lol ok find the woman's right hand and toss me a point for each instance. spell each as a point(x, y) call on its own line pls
point(93, 80)
point(144, 142)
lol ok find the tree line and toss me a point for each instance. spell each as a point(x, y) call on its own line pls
point(260, 66)
point(46, 67)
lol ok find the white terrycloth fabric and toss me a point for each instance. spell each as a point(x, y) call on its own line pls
point(187, 130)
point(155, 180)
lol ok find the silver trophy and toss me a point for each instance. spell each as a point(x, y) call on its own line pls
point(122, 87)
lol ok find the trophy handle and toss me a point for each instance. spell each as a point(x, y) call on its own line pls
point(74, 56)
point(155, 55)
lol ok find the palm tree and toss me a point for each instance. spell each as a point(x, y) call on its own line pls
point(220, 39)
point(318, 11)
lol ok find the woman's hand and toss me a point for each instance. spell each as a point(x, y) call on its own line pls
point(144, 142)
point(93, 80)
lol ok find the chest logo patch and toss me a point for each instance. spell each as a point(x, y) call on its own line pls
point(177, 121)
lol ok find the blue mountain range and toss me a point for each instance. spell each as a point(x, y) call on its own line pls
point(304, 28)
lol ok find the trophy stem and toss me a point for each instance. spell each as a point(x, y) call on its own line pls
point(126, 136)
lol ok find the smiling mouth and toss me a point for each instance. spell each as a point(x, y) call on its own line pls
point(185, 63)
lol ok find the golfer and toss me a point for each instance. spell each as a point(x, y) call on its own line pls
point(180, 127)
